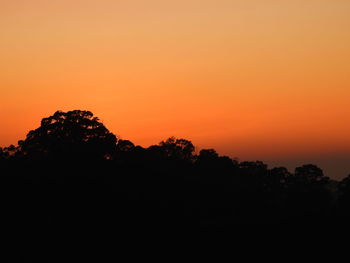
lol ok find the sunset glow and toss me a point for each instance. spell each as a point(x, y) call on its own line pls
point(257, 80)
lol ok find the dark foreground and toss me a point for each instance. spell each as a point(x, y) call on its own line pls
point(107, 196)
point(72, 173)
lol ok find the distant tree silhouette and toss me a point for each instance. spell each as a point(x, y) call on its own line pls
point(207, 155)
point(9, 152)
point(125, 151)
point(310, 174)
point(125, 146)
point(307, 191)
point(174, 149)
point(210, 159)
point(280, 174)
point(69, 135)
point(344, 186)
point(160, 186)
point(344, 196)
point(278, 178)
point(2, 155)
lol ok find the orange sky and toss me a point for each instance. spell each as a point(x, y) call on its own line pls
point(255, 79)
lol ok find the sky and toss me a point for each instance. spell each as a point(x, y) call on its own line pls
point(257, 80)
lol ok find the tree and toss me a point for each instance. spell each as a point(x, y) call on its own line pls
point(310, 174)
point(344, 194)
point(279, 175)
point(308, 194)
point(9, 152)
point(178, 149)
point(208, 155)
point(210, 158)
point(2, 155)
point(69, 135)
point(344, 186)
point(125, 146)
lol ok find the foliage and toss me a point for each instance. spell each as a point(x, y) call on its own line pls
point(75, 151)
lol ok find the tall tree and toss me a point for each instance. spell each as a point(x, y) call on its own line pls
point(69, 135)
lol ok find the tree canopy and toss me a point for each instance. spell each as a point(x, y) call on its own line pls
point(69, 135)
point(74, 150)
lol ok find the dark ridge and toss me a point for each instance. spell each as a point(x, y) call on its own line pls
point(72, 173)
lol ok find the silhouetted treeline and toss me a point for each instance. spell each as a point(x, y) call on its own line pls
point(72, 173)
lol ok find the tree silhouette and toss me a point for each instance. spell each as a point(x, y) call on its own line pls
point(174, 149)
point(344, 195)
point(9, 152)
point(310, 174)
point(278, 178)
point(69, 135)
point(162, 185)
point(125, 146)
point(207, 155)
point(344, 186)
point(2, 155)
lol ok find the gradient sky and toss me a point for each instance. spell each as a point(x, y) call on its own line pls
point(259, 80)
